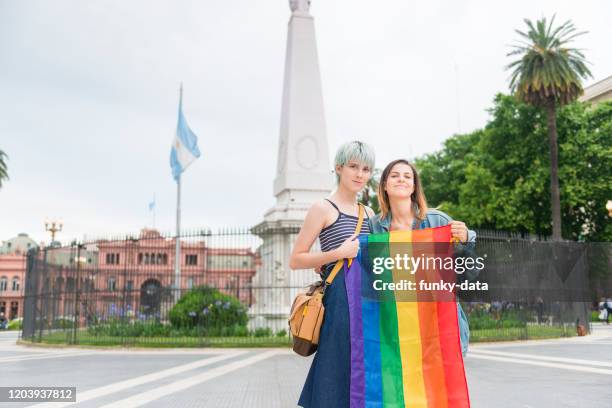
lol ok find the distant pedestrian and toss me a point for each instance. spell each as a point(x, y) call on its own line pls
point(540, 309)
point(604, 311)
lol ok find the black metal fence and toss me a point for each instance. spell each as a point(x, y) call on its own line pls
point(234, 289)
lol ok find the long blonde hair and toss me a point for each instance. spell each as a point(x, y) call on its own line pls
point(419, 202)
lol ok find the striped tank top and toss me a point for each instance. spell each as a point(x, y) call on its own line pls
point(332, 236)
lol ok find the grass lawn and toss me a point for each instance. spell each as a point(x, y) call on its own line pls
point(86, 339)
point(521, 333)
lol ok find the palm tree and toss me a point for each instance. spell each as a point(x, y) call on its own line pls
point(548, 74)
point(3, 169)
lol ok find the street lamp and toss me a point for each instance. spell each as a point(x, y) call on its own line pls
point(53, 227)
point(609, 208)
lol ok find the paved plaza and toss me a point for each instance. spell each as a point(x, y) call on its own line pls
point(574, 372)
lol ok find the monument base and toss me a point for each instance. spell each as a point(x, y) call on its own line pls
point(276, 322)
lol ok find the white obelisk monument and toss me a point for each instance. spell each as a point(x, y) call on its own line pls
point(303, 174)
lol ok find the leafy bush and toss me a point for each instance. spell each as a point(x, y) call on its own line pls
point(263, 332)
point(204, 311)
point(209, 309)
point(15, 324)
point(134, 328)
point(63, 323)
point(154, 329)
point(483, 320)
point(281, 333)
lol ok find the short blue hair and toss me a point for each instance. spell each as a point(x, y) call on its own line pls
point(355, 150)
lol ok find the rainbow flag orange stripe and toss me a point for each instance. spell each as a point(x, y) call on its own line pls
point(405, 351)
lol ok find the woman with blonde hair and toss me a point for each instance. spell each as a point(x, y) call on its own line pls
point(333, 221)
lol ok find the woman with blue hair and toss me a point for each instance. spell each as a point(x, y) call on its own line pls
point(333, 221)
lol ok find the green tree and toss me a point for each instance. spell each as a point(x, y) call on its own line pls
point(496, 177)
point(548, 74)
point(445, 168)
point(3, 168)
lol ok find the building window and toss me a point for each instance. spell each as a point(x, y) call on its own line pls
point(190, 282)
point(70, 285)
point(15, 284)
point(112, 284)
point(3, 284)
point(191, 259)
point(140, 257)
point(14, 310)
point(130, 285)
point(112, 259)
point(89, 285)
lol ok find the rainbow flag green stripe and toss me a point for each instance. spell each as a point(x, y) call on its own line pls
point(404, 352)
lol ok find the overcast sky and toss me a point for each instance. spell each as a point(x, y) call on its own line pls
point(89, 94)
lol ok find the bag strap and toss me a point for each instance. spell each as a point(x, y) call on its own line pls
point(340, 262)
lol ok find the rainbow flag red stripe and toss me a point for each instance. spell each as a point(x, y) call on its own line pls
point(404, 352)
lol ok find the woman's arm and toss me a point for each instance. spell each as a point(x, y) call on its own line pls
point(466, 247)
point(302, 258)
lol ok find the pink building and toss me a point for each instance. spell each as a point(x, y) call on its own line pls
point(12, 274)
point(12, 278)
point(137, 276)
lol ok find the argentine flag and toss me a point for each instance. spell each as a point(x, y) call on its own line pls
point(185, 146)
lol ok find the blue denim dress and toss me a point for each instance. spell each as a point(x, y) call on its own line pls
point(328, 381)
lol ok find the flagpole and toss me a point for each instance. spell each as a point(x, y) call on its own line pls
point(177, 251)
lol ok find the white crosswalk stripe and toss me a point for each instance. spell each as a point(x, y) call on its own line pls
point(152, 395)
point(134, 382)
point(546, 358)
point(41, 356)
point(540, 363)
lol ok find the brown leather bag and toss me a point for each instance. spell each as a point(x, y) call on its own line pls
point(307, 311)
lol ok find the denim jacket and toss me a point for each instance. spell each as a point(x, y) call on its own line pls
point(436, 218)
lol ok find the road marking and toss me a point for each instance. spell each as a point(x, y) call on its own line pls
point(134, 382)
point(543, 364)
point(537, 343)
point(547, 358)
point(27, 357)
point(152, 395)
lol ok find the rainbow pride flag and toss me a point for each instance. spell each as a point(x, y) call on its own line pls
point(405, 348)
